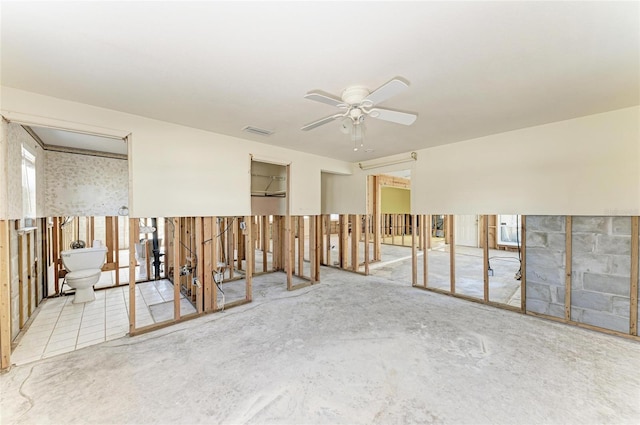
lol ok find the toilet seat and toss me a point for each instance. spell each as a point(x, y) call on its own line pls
point(82, 274)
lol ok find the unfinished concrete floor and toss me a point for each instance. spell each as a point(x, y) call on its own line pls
point(352, 349)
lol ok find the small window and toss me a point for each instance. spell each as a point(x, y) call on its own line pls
point(28, 187)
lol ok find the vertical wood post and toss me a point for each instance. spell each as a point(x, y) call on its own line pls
point(633, 317)
point(177, 238)
point(249, 256)
point(208, 242)
point(265, 242)
point(452, 252)
point(568, 270)
point(5, 295)
point(367, 234)
point(288, 251)
point(485, 255)
point(414, 253)
point(134, 231)
point(327, 226)
point(344, 240)
point(355, 242)
point(21, 282)
point(116, 247)
point(427, 247)
point(523, 264)
point(377, 223)
point(567, 275)
point(199, 250)
point(301, 237)
point(55, 236)
point(216, 248)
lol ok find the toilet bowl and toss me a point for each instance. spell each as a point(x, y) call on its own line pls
point(83, 267)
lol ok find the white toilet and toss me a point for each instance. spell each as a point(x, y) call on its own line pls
point(83, 270)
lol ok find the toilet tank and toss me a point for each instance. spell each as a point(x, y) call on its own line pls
point(84, 258)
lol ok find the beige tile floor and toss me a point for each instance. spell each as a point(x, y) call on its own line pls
point(61, 326)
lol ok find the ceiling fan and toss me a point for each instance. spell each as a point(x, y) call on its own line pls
point(357, 103)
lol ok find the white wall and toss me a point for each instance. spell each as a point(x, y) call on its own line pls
point(176, 170)
point(584, 166)
point(344, 194)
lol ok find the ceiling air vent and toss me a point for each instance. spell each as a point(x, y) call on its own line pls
point(258, 131)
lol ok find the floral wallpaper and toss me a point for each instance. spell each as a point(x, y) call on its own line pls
point(83, 185)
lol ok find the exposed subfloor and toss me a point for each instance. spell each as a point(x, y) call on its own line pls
point(352, 349)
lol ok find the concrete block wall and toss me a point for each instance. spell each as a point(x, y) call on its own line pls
point(545, 264)
point(600, 263)
point(601, 272)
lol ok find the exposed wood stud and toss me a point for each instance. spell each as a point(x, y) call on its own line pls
point(265, 242)
point(208, 243)
point(485, 254)
point(176, 267)
point(568, 260)
point(523, 265)
point(56, 253)
point(5, 295)
point(427, 245)
point(633, 317)
point(134, 231)
point(452, 251)
point(367, 234)
point(199, 250)
point(344, 240)
point(355, 241)
point(116, 247)
point(414, 254)
point(249, 256)
point(301, 247)
point(21, 283)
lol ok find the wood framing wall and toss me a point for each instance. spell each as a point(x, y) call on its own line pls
point(422, 240)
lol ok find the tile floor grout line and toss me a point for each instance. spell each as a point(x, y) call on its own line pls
point(44, 350)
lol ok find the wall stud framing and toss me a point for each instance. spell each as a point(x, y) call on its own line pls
point(21, 283)
point(426, 234)
point(633, 317)
point(523, 265)
point(209, 242)
point(485, 254)
point(452, 252)
point(355, 241)
point(199, 250)
point(367, 234)
point(134, 231)
point(567, 275)
point(5, 295)
point(414, 254)
point(250, 255)
point(176, 267)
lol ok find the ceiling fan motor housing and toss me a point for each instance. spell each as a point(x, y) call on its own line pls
point(354, 95)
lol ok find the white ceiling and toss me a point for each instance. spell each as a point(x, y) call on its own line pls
point(61, 138)
point(475, 68)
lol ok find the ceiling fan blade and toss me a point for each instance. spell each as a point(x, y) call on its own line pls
point(323, 97)
point(321, 121)
point(397, 117)
point(386, 91)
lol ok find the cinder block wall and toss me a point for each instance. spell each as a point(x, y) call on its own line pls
point(601, 263)
point(545, 264)
point(601, 269)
